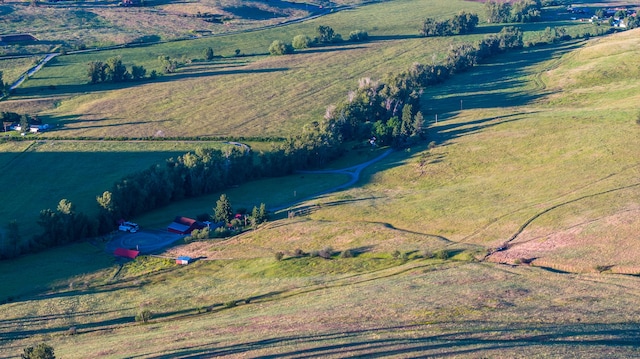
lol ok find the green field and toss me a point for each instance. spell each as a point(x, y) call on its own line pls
point(538, 148)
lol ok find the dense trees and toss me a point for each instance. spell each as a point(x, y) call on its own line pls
point(63, 225)
point(389, 109)
point(113, 71)
point(516, 11)
point(460, 24)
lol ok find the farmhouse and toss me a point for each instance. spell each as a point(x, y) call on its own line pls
point(184, 225)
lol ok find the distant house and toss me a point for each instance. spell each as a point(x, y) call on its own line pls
point(183, 260)
point(131, 3)
point(38, 128)
point(184, 225)
point(127, 253)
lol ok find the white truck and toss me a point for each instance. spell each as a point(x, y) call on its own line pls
point(128, 227)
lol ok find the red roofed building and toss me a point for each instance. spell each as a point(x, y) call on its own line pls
point(128, 253)
point(184, 225)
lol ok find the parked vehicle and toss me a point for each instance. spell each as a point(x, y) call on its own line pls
point(128, 227)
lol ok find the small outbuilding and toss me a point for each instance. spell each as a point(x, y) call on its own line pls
point(127, 253)
point(183, 260)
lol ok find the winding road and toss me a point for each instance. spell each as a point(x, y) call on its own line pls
point(353, 172)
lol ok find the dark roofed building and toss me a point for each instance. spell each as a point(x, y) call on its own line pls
point(184, 225)
point(17, 38)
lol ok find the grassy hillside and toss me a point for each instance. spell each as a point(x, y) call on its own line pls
point(520, 160)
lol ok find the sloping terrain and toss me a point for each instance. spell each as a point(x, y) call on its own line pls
point(513, 161)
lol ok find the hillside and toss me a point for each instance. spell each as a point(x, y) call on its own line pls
point(538, 148)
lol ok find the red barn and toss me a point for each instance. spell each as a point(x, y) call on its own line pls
point(184, 225)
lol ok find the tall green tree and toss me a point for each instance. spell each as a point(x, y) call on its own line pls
point(325, 34)
point(223, 211)
point(115, 70)
point(168, 64)
point(24, 123)
point(96, 72)
point(208, 54)
point(138, 72)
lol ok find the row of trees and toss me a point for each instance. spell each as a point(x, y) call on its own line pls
point(193, 174)
point(389, 109)
point(515, 11)
point(324, 35)
point(460, 24)
point(114, 71)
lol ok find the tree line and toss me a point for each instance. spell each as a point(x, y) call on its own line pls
point(514, 11)
point(113, 70)
point(325, 35)
point(460, 24)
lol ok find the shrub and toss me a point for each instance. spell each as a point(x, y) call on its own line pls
point(279, 256)
point(41, 351)
point(301, 42)
point(358, 35)
point(230, 304)
point(441, 254)
point(144, 316)
point(395, 254)
point(346, 254)
point(428, 254)
point(299, 252)
point(326, 253)
point(280, 48)
point(314, 254)
point(72, 331)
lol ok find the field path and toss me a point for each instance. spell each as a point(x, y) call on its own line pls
point(353, 172)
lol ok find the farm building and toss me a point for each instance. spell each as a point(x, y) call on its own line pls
point(184, 225)
point(183, 260)
point(17, 38)
point(127, 253)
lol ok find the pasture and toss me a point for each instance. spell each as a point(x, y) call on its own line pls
point(537, 147)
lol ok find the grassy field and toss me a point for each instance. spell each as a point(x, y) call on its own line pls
point(538, 147)
point(188, 102)
point(44, 172)
point(520, 154)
